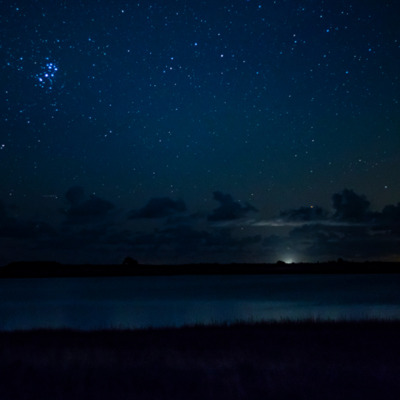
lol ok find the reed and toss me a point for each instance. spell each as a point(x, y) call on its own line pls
point(264, 360)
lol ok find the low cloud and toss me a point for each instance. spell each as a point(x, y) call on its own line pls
point(159, 207)
point(229, 209)
point(92, 232)
point(187, 244)
point(349, 209)
point(304, 214)
point(352, 242)
point(389, 219)
point(18, 228)
point(351, 230)
point(81, 211)
point(350, 206)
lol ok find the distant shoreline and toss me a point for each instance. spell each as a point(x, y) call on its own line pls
point(47, 269)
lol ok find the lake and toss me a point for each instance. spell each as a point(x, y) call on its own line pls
point(138, 302)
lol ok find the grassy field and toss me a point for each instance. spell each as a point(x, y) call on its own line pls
point(285, 360)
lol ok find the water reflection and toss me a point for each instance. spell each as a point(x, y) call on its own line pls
point(135, 302)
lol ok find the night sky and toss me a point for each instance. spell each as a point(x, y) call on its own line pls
point(199, 131)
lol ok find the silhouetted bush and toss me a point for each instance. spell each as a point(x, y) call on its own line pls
point(130, 261)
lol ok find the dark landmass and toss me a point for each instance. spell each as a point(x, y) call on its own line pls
point(284, 360)
point(53, 269)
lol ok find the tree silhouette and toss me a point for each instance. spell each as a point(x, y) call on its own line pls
point(130, 261)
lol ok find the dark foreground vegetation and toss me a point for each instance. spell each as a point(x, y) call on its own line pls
point(286, 360)
point(131, 267)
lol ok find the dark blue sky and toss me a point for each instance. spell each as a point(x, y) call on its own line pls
point(178, 131)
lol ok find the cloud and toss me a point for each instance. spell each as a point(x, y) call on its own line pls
point(21, 229)
point(391, 213)
point(83, 211)
point(75, 195)
point(352, 242)
point(349, 206)
point(304, 214)
point(91, 232)
point(389, 219)
point(351, 230)
point(349, 209)
point(11, 227)
point(187, 244)
point(159, 207)
point(229, 209)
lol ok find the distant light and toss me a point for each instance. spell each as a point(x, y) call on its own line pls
point(288, 260)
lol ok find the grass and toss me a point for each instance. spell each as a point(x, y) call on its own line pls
point(282, 360)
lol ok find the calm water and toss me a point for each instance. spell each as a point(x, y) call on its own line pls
point(132, 302)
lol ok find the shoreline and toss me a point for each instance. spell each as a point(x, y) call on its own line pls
point(307, 323)
point(47, 269)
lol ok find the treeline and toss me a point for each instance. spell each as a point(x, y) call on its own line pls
point(55, 269)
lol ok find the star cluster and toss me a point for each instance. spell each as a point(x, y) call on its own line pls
point(45, 79)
